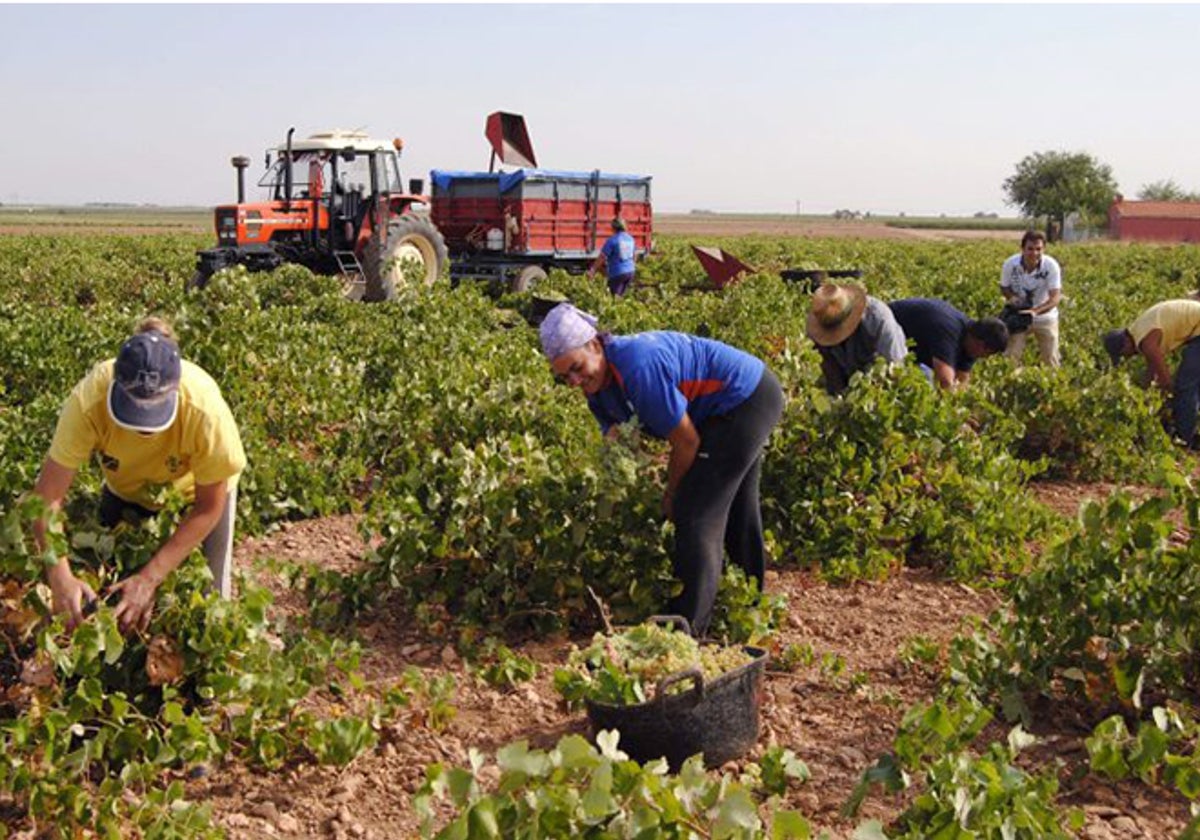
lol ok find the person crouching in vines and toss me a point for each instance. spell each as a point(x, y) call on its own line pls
point(154, 420)
point(714, 404)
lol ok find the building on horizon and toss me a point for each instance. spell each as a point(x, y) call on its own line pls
point(1154, 221)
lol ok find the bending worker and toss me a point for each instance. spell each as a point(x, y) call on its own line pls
point(850, 329)
point(617, 256)
point(714, 404)
point(156, 421)
point(947, 342)
point(1160, 330)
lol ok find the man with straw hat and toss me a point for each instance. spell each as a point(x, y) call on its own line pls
point(714, 404)
point(850, 329)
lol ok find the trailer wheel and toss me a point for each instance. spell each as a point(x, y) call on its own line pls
point(415, 252)
point(199, 280)
point(527, 278)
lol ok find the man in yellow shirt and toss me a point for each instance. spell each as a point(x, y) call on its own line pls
point(156, 421)
point(1160, 330)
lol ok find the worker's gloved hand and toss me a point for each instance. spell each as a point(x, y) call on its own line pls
point(137, 602)
point(70, 594)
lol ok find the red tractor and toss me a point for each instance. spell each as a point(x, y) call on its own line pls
point(337, 206)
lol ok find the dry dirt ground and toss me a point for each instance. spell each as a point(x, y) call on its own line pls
point(73, 230)
point(837, 723)
point(681, 224)
point(812, 228)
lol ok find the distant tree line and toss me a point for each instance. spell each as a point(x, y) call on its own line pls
point(1050, 186)
point(1166, 190)
point(1053, 185)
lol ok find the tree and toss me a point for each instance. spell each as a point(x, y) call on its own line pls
point(1056, 184)
point(1166, 190)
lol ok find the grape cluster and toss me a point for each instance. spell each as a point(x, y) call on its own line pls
point(625, 667)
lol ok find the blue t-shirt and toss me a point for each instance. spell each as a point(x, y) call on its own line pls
point(660, 376)
point(618, 254)
point(937, 328)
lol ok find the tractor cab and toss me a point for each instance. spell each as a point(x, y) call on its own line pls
point(326, 197)
point(335, 163)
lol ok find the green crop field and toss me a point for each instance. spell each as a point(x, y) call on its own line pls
point(969, 223)
point(492, 520)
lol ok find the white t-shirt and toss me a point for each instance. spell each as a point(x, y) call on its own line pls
point(1032, 287)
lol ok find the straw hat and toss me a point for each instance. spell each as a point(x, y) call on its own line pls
point(836, 312)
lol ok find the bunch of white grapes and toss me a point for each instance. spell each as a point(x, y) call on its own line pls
point(649, 652)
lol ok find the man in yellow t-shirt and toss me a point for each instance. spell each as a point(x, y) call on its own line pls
point(155, 421)
point(1160, 330)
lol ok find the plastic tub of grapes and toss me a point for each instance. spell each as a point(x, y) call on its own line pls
point(689, 714)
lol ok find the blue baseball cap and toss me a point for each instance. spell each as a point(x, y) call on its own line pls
point(1114, 343)
point(144, 393)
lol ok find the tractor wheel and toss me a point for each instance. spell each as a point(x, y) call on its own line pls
point(199, 280)
point(527, 278)
point(415, 252)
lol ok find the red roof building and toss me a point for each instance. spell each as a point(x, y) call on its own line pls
point(1154, 221)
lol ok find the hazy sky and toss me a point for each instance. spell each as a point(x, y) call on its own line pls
point(922, 109)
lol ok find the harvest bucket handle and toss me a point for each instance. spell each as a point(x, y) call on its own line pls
point(694, 674)
point(677, 621)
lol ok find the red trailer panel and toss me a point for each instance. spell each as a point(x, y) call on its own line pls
point(538, 215)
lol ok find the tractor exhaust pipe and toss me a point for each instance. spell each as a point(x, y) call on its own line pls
point(287, 171)
point(240, 163)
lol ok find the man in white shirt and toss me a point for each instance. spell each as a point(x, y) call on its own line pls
point(1031, 281)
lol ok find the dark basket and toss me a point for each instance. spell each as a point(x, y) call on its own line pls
point(716, 717)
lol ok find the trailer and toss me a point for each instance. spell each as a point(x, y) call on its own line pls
point(515, 226)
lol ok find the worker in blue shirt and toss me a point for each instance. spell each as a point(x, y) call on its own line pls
point(617, 256)
point(714, 404)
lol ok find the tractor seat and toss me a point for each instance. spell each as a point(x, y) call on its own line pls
point(349, 205)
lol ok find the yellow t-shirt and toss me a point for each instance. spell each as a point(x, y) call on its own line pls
point(1179, 321)
point(202, 446)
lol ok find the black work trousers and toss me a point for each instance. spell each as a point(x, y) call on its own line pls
point(114, 509)
point(716, 505)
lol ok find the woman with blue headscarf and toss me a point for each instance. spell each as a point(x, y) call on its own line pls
point(714, 404)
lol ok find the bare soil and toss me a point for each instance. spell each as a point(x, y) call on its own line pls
point(812, 228)
point(85, 224)
point(837, 723)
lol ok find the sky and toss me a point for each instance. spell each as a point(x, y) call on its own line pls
point(921, 109)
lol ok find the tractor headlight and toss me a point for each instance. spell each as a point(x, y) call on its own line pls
point(227, 229)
